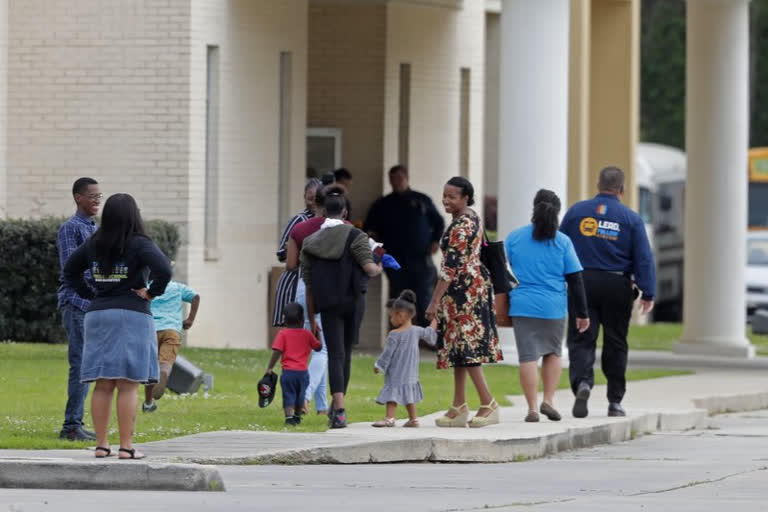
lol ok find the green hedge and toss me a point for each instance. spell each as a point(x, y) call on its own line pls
point(29, 276)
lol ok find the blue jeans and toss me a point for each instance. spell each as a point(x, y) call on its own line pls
point(318, 365)
point(72, 319)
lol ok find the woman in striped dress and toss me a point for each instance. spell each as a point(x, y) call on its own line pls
point(286, 285)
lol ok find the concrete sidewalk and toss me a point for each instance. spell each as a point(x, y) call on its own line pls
point(671, 403)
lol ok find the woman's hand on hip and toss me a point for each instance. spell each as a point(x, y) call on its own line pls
point(582, 324)
point(142, 292)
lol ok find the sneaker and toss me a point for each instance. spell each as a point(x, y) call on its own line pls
point(149, 407)
point(615, 409)
point(297, 419)
point(339, 419)
point(76, 434)
point(580, 404)
point(290, 421)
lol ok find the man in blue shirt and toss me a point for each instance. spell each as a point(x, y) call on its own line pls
point(71, 235)
point(612, 244)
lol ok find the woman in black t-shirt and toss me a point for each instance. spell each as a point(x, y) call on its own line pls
point(120, 345)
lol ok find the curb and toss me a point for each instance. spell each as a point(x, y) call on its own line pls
point(507, 450)
point(733, 403)
point(477, 450)
point(123, 476)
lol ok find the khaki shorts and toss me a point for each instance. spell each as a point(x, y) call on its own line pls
point(168, 343)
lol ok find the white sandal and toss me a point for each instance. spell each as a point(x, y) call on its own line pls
point(386, 422)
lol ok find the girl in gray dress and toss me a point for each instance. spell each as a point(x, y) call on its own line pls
point(400, 361)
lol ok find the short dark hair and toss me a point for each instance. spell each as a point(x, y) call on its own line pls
point(342, 174)
point(328, 178)
point(398, 168)
point(611, 179)
point(466, 188)
point(81, 185)
point(293, 315)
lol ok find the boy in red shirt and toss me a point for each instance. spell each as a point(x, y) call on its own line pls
point(293, 344)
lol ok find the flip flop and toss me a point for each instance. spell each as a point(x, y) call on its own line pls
point(103, 449)
point(132, 453)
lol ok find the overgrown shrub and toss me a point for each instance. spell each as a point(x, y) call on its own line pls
point(29, 276)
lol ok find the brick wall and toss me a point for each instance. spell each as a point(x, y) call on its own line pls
point(250, 35)
point(437, 42)
point(98, 88)
point(3, 105)
point(345, 90)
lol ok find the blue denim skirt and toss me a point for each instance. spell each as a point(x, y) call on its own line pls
point(119, 344)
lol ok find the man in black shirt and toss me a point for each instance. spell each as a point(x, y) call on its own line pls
point(410, 227)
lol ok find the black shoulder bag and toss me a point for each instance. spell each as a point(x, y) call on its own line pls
point(493, 256)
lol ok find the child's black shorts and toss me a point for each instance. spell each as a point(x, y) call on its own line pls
point(294, 384)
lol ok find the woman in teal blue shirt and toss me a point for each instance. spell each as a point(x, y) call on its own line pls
point(546, 264)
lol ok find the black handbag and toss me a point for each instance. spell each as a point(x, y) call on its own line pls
point(494, 257)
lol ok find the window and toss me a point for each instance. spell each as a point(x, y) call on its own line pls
point(212, 154)
point(323, 150)
point(645, 203)
point(464, 123)
point(758, 205)
point(404, 125)
point(284, 142)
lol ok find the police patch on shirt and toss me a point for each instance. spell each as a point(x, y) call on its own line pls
point(606, 229)
point(588, 226)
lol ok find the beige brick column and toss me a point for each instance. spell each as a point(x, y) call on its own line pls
point(614, 84)
point(3, 107)
point(580, 185)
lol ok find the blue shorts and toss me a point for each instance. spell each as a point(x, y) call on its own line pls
point(294, 384)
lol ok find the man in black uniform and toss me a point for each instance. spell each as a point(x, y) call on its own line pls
point(410, 227)
point(612, 244)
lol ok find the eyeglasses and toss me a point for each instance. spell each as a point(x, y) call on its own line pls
point(94, 197)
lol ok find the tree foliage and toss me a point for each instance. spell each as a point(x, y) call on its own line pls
point(662, 117)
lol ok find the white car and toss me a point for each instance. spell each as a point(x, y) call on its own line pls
point(757, 271)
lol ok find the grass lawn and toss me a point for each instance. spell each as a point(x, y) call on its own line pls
point(33, 379)
point(664, 336)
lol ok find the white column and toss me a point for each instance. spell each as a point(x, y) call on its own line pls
point(533, 111)
point(533, 104)
point(717, 139)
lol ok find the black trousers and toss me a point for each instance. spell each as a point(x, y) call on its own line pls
point(610, 298)
point(341, 327)
point(419, 278)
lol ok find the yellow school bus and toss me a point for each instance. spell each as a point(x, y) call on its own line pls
point(758, 189)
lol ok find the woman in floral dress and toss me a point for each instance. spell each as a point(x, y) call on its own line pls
point(464, 307)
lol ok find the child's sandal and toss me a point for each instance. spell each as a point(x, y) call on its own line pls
point(411, 423)
point(386, 422)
